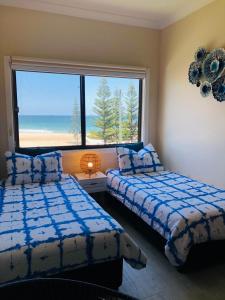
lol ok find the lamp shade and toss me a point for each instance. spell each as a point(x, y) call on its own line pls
point(90, 163)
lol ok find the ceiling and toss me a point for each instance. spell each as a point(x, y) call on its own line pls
point(145, 13)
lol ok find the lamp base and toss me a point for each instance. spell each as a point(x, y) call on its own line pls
point(90, 173)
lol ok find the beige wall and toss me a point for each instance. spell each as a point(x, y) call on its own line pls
point(191, 129)
point(38, 34)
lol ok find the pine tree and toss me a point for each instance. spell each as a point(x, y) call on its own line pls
point(76, 121)
point(130, 131)
point(103, 111)
point(117, 117)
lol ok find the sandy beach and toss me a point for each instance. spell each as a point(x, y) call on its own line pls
point(42, 139)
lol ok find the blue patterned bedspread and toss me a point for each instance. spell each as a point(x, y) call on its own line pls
point(184, 211)
point(54, 227)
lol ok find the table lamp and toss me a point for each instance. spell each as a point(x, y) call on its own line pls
point(90, 163)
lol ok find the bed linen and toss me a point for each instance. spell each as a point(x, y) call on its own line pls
point(42, 168)
point(144, 161)
point(54, 227)
point(184, 211)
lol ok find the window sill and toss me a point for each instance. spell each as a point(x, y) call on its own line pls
point(40, 150)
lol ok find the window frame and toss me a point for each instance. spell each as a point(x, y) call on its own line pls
point(83, 121)
point(22, 63)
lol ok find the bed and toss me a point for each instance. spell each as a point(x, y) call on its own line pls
point(53, 228)
point(183, 211)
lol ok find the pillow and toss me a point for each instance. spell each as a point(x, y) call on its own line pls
point(42, 168)
point(144, 161)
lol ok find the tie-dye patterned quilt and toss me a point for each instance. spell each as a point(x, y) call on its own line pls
point(184, 211)
point(53, 227)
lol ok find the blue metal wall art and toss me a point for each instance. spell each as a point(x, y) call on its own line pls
point(208, 72)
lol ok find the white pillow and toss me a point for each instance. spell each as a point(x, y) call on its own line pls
point(144, 161)
point(42, 168)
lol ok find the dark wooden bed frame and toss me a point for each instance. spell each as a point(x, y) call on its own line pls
point(200, 256)
point(108, 274)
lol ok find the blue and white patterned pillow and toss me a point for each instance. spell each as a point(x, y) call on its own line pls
point(144, 161)
point(42, 168)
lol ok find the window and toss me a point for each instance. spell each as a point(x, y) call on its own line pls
point(48, 109)
point(66, 111)
point(112, 110)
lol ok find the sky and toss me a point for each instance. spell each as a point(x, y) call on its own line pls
point(55, 94)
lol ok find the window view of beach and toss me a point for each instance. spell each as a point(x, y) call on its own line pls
point(50, 112)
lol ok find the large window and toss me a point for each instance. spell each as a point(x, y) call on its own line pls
point(75, 111)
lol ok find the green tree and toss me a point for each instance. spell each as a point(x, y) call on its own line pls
point(130, 125)
point(103, 110)
point(117, 116)
point(76, 121)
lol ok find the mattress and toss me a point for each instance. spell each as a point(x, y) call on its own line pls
point(50, 228)
point(182, 210)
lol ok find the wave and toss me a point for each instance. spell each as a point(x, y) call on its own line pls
point(36, 131)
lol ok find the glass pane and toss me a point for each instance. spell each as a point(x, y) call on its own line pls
point(112, 106)
point(49, 109)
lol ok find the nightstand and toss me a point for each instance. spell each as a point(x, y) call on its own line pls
point(95, 184)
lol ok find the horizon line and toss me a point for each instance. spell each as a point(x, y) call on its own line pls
point(48, 115)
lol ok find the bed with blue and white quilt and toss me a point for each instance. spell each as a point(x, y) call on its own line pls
point(52, 227)
point(183, 211)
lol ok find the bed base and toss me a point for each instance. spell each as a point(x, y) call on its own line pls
point(108, 274)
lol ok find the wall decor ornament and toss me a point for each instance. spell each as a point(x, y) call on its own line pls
point(218, 89)
point(208, 72)
point(205, 88)
point(213, 65)
point(195, 72)
point(200, 54)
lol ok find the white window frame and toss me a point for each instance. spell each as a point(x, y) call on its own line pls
point(70, 67)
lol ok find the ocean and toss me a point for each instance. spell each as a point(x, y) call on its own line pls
point(55, 124)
